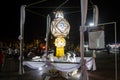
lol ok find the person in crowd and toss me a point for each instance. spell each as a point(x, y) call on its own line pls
point(108, 48)
point(10, 52)
point(31, 54)
point(119, 49)
point(16, 53)
point(1, 59)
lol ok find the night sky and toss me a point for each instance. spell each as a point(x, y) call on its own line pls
point(35, 24)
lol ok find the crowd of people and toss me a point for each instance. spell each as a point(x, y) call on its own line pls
point(14, 53)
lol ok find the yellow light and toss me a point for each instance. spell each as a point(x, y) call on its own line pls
point(60, 42)
point(59, 52)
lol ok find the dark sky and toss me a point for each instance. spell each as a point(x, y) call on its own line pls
point(35, 25)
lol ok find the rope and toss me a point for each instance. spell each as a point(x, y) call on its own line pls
point(54, 7)
point(36, 13)
point(61, 5)
point(36, 3)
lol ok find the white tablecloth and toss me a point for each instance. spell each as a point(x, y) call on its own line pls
point(66, 67)
point(34, 65)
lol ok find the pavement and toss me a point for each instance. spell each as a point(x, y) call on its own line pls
point(105, 70)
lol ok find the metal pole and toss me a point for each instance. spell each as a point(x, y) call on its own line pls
point(82, 51)
point(21, 37)
point(115, 53)
point(106, 23)
point(84, 4)
point(115, 45)
point(47, 32)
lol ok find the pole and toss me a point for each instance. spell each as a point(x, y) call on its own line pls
point(21, 37)
point(82, 50)
point(115, 52)
point(47, 32)
point(115, 46)
point(84, 4)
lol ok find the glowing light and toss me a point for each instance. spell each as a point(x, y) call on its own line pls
point(43, 47)
point(91, 24)
point(40, 68)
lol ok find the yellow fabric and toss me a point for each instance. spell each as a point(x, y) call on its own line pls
point(59, 52)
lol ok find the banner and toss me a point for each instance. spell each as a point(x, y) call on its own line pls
point(96, 40)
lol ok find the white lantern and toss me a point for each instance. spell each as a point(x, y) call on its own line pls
point(60, 26)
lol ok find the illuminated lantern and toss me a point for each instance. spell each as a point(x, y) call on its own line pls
point(60, 42)
point(60, 26)
point(60, 29)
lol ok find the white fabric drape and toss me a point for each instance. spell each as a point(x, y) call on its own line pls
point(95, 15)
point(84, 5)
point(65, 67)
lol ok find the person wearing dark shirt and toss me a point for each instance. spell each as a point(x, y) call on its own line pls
point(1, 60)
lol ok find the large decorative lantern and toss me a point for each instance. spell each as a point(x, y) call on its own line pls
point(60, 26)
point(60, 29)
